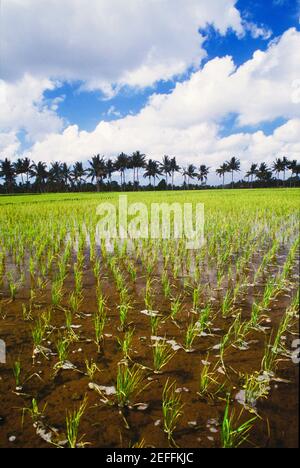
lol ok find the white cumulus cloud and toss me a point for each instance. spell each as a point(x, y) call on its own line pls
point(23, 107)
point(187, 123)
point(107, 43)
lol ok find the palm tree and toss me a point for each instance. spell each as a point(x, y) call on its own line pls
point(166, 167)
point(152, 170)
point(121, 165)
point(40, 173)
point(278, 167)
point(188, 174)
point(234, 165)
point(252, 173)
point(18, 166)
point(78, 173)
point(27, 165)
point(184, 172)
point(66, 174)
point(264, 174)
point(110, 169)
point(173, 168)
point(221, 171)
point(203, 174)
point(22, 167)
point(55, 176)
point(138, 161)
point(7, 172)
point(294, 167)
point(97, 170)
point(286, 164)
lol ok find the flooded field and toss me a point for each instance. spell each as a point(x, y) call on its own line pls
point(146, 343)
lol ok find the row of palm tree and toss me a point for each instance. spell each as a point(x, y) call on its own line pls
point(61, 176)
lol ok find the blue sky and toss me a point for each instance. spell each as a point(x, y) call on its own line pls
point(113, 77)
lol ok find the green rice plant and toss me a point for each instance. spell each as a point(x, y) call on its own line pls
point(99, 325)
point(34, 411)
point(208, 383)
point(73, 419)
point(69, 319)
point(101, 302)
point(46, 317)
point(176, 269)
point(172, 409)
point(75, 302)
point(56, 293)
point(204, 316)
point(132, 271)
point(155, 321)
point(269, 360)
point(255, 315)
point(91, 368)
point(234, 434)
point(190, 336)
point(41, 283)
point(129, 383)
point(294, 308)
point(97, 269)
point(220, 277)
point(236, 291)
point(176, 305)
point(124, 308)
point(166, 284)
point(62, 347)
point(17, 372)
point(224, 345)
point(270, 293)
point(239, 330)
point(38, 333)
point(227, 304)
point(162, 354)
point(255, 388)
point(119, 279)
point(149, 295)
point(289, 263)
point(196, 297)
point(31, 266)
point(80, 254)
point(27, 313)
point(78, 278)
point(13, 286)
point(278, 346)
point(72, 336)
point(125, 344)
point(62, 270)
point(149, 267)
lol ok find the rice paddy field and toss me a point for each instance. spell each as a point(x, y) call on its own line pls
point(144, 343)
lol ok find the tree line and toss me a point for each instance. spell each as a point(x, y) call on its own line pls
point(25, 175)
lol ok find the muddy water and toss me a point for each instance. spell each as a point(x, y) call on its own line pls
point(104, 425)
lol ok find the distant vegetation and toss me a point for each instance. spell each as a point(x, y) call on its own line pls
point(25, 176)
